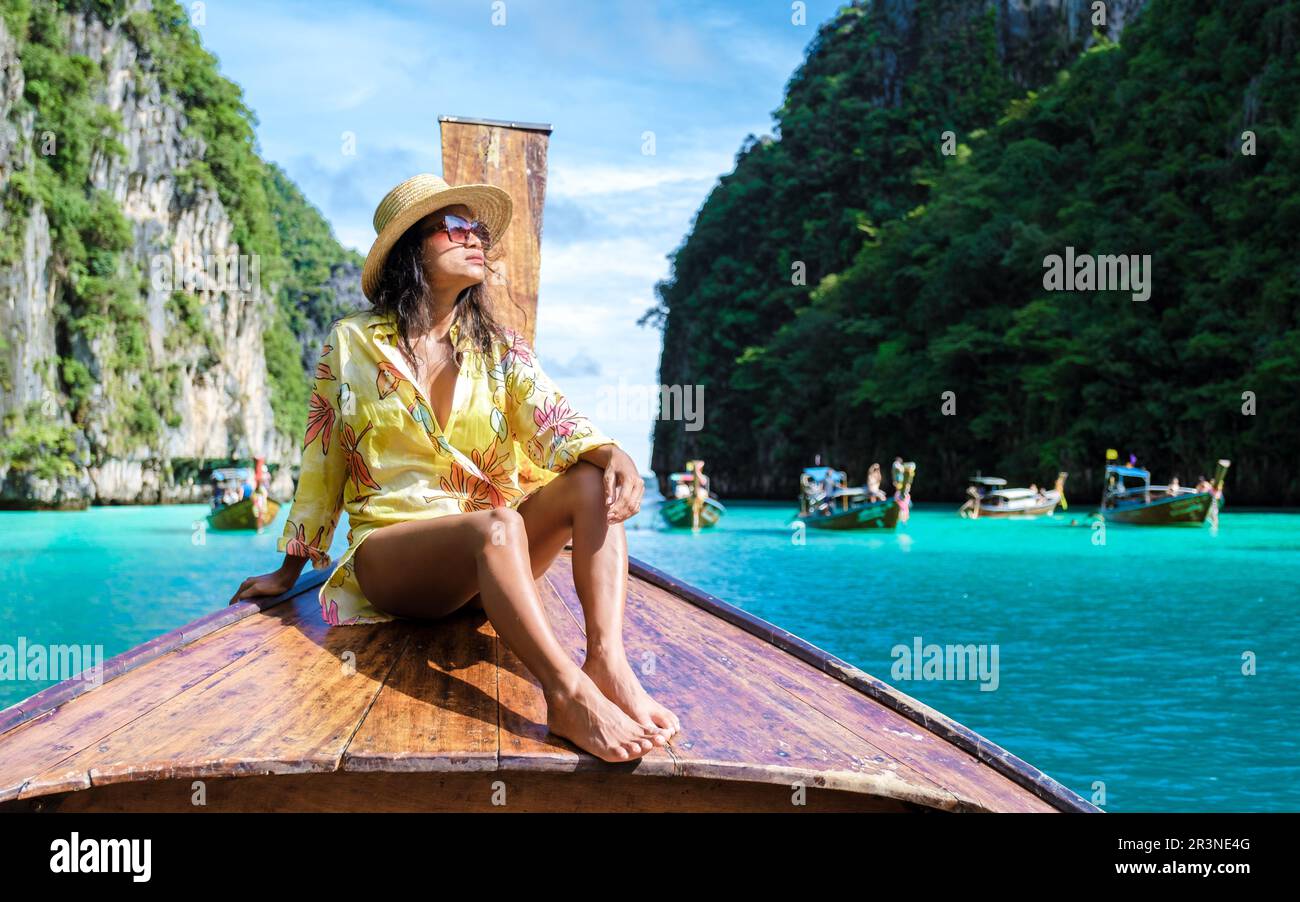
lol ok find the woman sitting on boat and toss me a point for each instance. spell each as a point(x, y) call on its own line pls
point(419, 407)
point(1172, 488)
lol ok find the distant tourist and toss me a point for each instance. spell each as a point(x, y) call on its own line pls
point(873, 483)
point(260, 496)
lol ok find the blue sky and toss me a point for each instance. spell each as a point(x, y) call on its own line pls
point(700, 76)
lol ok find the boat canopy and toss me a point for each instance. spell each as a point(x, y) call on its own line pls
point(1136, 472)
point(819, 473)
point(988, 480)
point(231, 473)
point(1015, 494)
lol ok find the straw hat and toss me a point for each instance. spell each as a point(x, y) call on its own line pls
point(416, 198)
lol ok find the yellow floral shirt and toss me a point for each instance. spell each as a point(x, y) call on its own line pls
point(374, 449)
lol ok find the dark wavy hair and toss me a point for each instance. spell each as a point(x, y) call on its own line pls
point(404, 292)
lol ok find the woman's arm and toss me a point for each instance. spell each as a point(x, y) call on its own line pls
point(554, 435)
point(318, 500)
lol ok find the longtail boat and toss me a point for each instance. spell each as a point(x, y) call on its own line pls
point(851, 507)
point(274, 710)
point(1129, 497)
point(680, 512)
point(988, 497)
point(241, 514)
point(691, 507)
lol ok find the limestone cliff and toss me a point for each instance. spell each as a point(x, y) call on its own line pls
point(118, 378)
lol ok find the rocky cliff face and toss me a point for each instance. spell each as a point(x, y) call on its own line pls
point(218, 380)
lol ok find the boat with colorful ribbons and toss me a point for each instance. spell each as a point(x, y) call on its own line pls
point(240, 498)
point(1129, 497)
point(827, 502)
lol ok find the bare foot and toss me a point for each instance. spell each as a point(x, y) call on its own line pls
point(585, 717)
point(614, 677)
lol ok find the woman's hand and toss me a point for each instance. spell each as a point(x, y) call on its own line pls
point(623, 484)
point(268, 584)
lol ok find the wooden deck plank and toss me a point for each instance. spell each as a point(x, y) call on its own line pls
point(755, 734)
point(926, 753)
point(40, 745)
point(289, 706)
point(438, 710)
point(60, 693)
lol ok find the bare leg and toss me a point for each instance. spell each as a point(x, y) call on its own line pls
point(573, 503)
point(487, 552)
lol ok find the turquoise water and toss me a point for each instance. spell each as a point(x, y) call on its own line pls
point(1118, 663)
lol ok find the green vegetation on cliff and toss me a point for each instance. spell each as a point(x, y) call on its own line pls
point(101, 286)
point(1133, 149)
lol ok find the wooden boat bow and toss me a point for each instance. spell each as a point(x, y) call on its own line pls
point(274, 710)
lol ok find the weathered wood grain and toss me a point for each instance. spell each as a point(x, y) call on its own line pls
point(43, 745)
point(289, 706)
point(503, 792)
point(735, 727)
point(438, 710)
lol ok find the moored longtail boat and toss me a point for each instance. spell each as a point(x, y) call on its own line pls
point(243, 515)
point(680, 512)
point(851, 507)
point(246, 513)
point(1129, 497)
point(988, 497)
point(691, 506)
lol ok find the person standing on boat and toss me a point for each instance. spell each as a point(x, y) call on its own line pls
point(873, 483)
point(830, 482)
point(419, 407)
point(700, 488)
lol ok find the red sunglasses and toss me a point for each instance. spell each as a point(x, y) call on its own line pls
point(458, 229)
